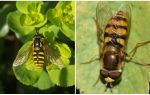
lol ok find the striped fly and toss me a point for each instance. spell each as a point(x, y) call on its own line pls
point(42, 53)
point(112, 33)
point(38, 53)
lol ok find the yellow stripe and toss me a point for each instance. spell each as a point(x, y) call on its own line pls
point(36, 48)
point(121, 41)
point(34, 53)
point(35, 61)
point(111, 30)
point(107, 39)
point(39, 66)
point(41, 53)
point(119, 22)
point(34, 56)
point(42, 57)
point(39, 61)
point(121, 31)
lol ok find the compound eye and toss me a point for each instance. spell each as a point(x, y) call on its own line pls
point(114, 74)
point(104, 73)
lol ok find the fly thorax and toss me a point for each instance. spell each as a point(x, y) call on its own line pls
point(111, 58)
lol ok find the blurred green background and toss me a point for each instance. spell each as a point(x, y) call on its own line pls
point(9, 46)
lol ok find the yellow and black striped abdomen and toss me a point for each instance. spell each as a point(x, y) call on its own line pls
point(116, 30)
point(38, 53)
point(38, 56)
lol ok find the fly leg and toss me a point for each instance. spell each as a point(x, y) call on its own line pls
point(91, 60)
point(133, 51)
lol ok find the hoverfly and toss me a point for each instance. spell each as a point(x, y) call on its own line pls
point(113, 29)
point(113, 36)
point(41, 53)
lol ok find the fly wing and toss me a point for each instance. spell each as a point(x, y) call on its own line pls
point(107, 14)
point(23, 54)
point(52, 56)
point(103, 15)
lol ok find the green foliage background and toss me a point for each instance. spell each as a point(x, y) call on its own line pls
point(17, 27)
point(135, 78)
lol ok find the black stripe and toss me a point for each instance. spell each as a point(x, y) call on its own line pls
point(38, 54)
point(114, 35)
point(38, 59)
point(114, 38)
point(116, 26)
point(114, 43)
point(119, 18)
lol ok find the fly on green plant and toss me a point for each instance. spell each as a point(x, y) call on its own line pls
point(41, 53)
point(37, 58)
point(41, 61)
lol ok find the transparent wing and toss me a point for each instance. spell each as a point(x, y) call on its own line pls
point(103, 15)
point(23, 54)
point(107, 10)
point(52, 56)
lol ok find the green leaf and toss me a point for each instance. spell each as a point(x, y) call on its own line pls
point(4, 29)
point(31, 14)
point(33, 19)
point(49, 32)
point(44, 82)
point(135, 78)
point(13, 21)
point(23, 6)
point(35, 7)
point(24, 67)
point(65, 52)
point(63, 16)
point(67, 31)
point(62, 77)
point(27, 7)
